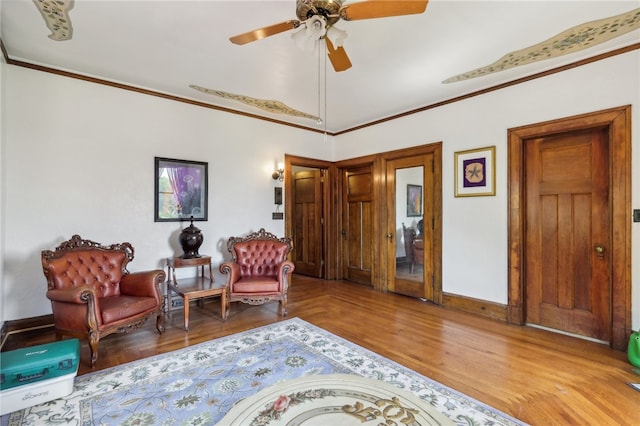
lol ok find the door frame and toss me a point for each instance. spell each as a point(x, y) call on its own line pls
point(434, 149)
point(395, 282)
point(341, 167)
point(329, 227)
point(342, 198)
point(618, 122)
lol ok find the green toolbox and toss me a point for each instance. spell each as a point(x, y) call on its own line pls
point(37, 374)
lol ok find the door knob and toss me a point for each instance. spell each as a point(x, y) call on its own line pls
point(600, 250)
point(389, 235)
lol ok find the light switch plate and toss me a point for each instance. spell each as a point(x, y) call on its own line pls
point(636, 215)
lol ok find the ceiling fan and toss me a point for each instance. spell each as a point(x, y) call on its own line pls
point(319, 16)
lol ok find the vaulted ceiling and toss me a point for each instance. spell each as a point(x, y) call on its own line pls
point(181, 49)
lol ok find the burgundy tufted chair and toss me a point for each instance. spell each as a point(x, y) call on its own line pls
point(92, 294)
point(259, 270)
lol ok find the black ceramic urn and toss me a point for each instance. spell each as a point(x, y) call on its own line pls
point(190, 240)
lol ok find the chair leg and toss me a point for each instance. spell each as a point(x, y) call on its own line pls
point(160, 321)
point(283, 306)
point(93, 347)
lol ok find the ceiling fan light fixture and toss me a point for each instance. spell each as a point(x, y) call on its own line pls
point(336, 35)
point(318, 18)
point(314, 30)
point(316, 27)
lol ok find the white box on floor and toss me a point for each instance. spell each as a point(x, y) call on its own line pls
point(37, 374)
point(22, 397)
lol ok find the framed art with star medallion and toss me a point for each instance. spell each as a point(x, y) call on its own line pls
point(475, 172)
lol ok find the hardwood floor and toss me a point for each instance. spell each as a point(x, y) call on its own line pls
point(539, 377)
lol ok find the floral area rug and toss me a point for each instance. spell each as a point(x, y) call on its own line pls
point(198, 385)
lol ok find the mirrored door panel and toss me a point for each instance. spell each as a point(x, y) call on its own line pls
point(410, 243)
point(409, 207)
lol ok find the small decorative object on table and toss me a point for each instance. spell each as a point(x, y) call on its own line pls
point(190, 240)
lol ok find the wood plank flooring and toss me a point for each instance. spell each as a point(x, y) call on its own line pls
point(539, 377)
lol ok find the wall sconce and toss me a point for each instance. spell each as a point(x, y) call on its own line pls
point(279, 173)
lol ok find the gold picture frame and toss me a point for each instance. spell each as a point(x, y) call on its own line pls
point(475, 172)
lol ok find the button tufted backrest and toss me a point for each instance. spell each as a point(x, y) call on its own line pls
point(260, 257)
point(259, 253)
point(79, 262)
point(100, 269)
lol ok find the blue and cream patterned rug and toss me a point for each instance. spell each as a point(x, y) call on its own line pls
point(198, 385)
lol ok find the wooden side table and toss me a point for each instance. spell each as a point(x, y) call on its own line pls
point(197, 287)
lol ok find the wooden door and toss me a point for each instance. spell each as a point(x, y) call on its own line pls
point(357, 225)
point(307, 233)
point(404, 175)
point(567, 244)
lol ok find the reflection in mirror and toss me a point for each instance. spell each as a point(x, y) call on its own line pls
point(409, 223)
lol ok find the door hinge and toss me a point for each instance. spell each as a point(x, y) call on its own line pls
point(322, 221)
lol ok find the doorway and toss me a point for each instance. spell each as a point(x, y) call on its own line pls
point(308, 245)
point(413, 208)
point(407, 210)
point(308, 220)
point(357, 224)
point(570, 185)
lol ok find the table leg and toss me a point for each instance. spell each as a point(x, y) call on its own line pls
point(186, 312)
point(223, 304)
point(168, 301)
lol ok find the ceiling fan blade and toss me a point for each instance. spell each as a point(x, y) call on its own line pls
point(338, 57)
point(261, 33)
point(381, 9)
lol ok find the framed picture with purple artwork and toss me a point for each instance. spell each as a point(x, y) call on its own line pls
point(475, 172)
point(414, 200)
point(181, 190)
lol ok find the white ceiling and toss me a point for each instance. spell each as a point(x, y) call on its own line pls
point(399, 63)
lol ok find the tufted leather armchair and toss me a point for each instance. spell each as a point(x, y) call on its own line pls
point(93, 294)
point(259, 270)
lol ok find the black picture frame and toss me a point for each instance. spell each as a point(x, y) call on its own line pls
point(277, 195)
point(181, 190)
point(414, 200)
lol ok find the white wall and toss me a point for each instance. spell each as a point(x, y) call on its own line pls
point(79, 159)
point(475, 228)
